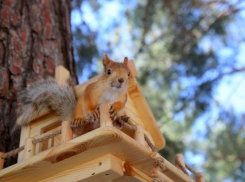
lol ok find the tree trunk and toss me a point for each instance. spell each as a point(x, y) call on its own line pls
point(35, 37)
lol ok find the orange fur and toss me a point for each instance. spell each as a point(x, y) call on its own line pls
point(107, 89)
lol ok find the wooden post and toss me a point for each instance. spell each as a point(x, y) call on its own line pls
point(29, 149)
point(1, 161)
point(62, 75)
point(180, 157)
point(105, 119)
point(66, 131)
point(200, 178)
point(139, 134)
point(25, 133)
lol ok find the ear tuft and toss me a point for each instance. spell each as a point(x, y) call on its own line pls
point(126, 61)
point(106, 61)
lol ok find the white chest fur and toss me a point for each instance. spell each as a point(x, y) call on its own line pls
point(109, 97)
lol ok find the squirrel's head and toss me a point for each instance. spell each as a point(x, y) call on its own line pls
point(116, 73)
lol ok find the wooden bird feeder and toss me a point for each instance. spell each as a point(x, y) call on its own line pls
point(51, 151)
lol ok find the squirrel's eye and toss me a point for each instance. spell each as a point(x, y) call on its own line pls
point(128, 74)
point(108, 71)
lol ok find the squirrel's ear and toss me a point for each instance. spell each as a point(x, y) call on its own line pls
point(106, 61)
point(126, 61)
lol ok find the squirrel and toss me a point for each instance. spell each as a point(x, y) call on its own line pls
point(111, 87)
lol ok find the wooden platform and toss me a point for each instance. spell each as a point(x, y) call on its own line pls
point(100, 155)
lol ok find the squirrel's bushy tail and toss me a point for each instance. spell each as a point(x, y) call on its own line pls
point(46, 93)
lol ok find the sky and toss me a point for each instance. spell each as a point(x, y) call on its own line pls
point(229, 92)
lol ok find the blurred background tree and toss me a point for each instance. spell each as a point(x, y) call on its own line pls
point(190, 59)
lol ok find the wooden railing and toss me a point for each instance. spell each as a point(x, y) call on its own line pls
point(66, 135)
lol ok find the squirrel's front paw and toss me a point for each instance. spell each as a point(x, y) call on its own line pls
point(113, 113)
point(77, 121)
point(95, 115)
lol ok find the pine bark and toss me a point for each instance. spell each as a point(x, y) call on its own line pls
point(35, 37)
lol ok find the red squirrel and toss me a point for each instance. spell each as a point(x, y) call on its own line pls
point(111, 87)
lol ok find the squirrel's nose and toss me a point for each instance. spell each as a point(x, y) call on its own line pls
point(121, 80)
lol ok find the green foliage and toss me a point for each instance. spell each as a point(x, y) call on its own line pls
point(226, 146)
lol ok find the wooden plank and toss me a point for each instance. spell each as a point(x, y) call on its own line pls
point(25, 133)
point(127, 132)
point(50, 143)
point(104, 168)
point(43, 124)
point(133, 118)
point(132, 112)
point(85, 148)
point(80, 150)
point(61, 75)
point(130, 101)
point(57, 140)
point(132, 108)
point(146, 115)
point(29, 149)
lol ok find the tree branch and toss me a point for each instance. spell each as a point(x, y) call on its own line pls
point(174, 14)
